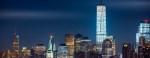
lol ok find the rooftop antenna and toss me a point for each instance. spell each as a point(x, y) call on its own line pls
point(17, 36)
point(15, 32)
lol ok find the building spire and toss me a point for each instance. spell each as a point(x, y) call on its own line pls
point(15, 32)
point(15, 44)
point(16, 36)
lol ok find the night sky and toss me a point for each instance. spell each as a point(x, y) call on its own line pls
point(35, 20)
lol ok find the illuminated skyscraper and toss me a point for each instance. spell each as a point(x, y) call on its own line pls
point(144, 30)
point(62, 51)
point(125, 50)
point(100, 26)
point(16, 46)
point(8, 54)
point(39, 49)
point(49, 53)
point(85, 44)
point(70, 44)
point(107, 49)
point(128, 51)
point(141, 41)
point(25, 52)
point(78, 38)
point(111, 38)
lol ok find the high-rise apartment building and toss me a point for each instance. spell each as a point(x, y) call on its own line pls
point(15, 46)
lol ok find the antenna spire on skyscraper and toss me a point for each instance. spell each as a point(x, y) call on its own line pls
point(15, 32)
point(16, 44)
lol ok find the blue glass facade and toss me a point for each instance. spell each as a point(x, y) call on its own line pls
point(100, 26)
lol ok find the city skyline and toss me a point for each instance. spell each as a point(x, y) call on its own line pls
point(34, 25)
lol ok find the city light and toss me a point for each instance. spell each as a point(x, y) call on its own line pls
point(80, 29)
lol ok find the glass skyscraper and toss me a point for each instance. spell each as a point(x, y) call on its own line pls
point(100, 26)
point(144, 30)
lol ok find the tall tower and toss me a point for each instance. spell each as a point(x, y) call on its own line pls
point(144, 30)
point(70, 44)
point(8, 54)
point(114, 46)
point(112, 39)
point(49, 53)
point(125, 51)
point(16, 46)
point(62, 51)
point(78, 38)
point(107, 49)
point(100, 26)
